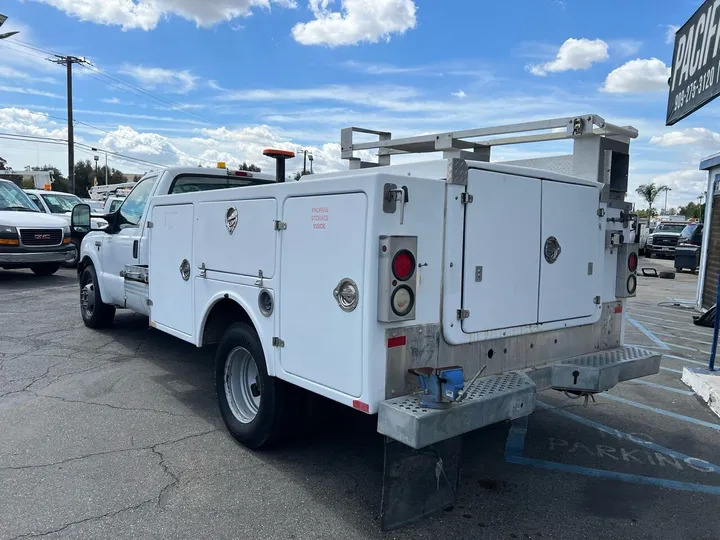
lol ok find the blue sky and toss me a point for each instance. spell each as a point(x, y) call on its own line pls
point(223, 79)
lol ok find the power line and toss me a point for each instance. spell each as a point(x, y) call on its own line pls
point(51, 140)
point(4, 44)
point(134, 89)
point(33, 47)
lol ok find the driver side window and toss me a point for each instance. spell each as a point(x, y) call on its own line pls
point(36, 201)
point(134, 204)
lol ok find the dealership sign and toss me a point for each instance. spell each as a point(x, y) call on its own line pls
point(695, 73)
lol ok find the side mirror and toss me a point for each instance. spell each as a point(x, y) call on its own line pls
point(80, 220)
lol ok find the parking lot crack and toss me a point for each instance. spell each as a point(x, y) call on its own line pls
point(85, 520)
point(110, 406)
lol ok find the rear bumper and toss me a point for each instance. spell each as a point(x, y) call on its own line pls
point(33, 257)
point(511, 395)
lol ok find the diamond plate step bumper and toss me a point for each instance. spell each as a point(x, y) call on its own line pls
point(490, 400)
point(602, 370)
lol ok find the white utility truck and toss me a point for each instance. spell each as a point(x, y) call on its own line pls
point(389, 288)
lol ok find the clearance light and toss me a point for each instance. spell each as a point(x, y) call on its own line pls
point(221, 165)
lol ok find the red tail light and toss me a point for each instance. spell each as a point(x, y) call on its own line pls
point(403, 265)
point(632, 262)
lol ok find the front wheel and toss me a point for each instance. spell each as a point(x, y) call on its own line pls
point(251, 402)
point(47, 269)
point(95, 313)
point(71, 259)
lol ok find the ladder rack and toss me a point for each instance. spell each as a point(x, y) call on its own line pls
point(458, 144)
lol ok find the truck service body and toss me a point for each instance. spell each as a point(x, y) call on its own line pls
point(364, 285)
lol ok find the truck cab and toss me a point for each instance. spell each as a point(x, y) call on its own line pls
point(28, 237)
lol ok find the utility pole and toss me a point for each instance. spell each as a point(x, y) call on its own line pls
point(68, 62)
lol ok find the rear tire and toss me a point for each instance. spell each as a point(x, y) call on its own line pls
point(678, 269)
point(95, 313)
point(47, 269)
point(253, 404)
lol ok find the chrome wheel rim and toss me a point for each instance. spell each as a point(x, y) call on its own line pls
point(71, 255)
point(87, 300)
point(242, 385)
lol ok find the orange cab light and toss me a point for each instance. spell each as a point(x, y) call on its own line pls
point(273, 152)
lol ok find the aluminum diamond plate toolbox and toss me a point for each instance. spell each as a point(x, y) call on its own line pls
point(490, 399)
point(600, 371)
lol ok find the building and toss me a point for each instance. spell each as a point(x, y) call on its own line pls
point(710, 254)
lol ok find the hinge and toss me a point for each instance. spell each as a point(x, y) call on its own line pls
point(150, 225)
point(203, 271)
point(277, 342)
point(280, 225)
point(596, 300)
point(466, 198)
point(462, 314)
point(601, 212)
point(149, 302)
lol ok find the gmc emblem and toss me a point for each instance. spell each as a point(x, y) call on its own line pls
point(42, 237)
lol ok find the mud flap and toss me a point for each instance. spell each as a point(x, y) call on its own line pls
point(417, 483)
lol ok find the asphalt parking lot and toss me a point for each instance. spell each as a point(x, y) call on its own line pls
point(116, 434)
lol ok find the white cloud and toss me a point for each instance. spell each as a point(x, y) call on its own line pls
point(145, 14)
point(26, 122)
point(695, 136)
point(625, 47)
point(167, 80)
point(357, 21)
point(670, 33)
point(459, 94)
point(30, 91)
point(638, 76)
point(574, 54)
point(116, 101)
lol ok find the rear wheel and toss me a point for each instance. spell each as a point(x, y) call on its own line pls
point(47, 269)
point(678, 269)
point(251, 402)
point(95, 313)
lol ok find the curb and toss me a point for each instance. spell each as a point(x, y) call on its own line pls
point(705, 384)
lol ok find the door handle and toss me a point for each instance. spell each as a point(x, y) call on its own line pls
point(98, 243)
point(135, 249)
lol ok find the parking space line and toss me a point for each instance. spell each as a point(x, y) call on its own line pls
point(687, 348)
point(647, 333)
point(686, 359)
point(688, 330)
point(651, 313)
point(663, 387)
point(663, 412)
point(611, 475)
point(671, 370)
point(663, 334)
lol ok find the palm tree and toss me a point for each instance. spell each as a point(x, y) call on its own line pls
point(649, 193)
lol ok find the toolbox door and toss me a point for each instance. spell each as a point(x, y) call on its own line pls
point(501, 257)
point(324, 244)
point(171, 268)
point(571, 244)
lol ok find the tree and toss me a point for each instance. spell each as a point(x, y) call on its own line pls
point(692, 210)
point(251, 168)
point(649, 193)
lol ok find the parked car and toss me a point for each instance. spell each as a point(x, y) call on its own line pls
point(30, 238)
point(687, 252)
point(61, 204)
point(664, 238)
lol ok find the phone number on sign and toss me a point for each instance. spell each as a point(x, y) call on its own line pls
point(695, 88)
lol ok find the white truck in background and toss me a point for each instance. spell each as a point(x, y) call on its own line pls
point(366, 285)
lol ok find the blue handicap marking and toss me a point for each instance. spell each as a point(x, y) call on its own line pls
point(515, 446)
